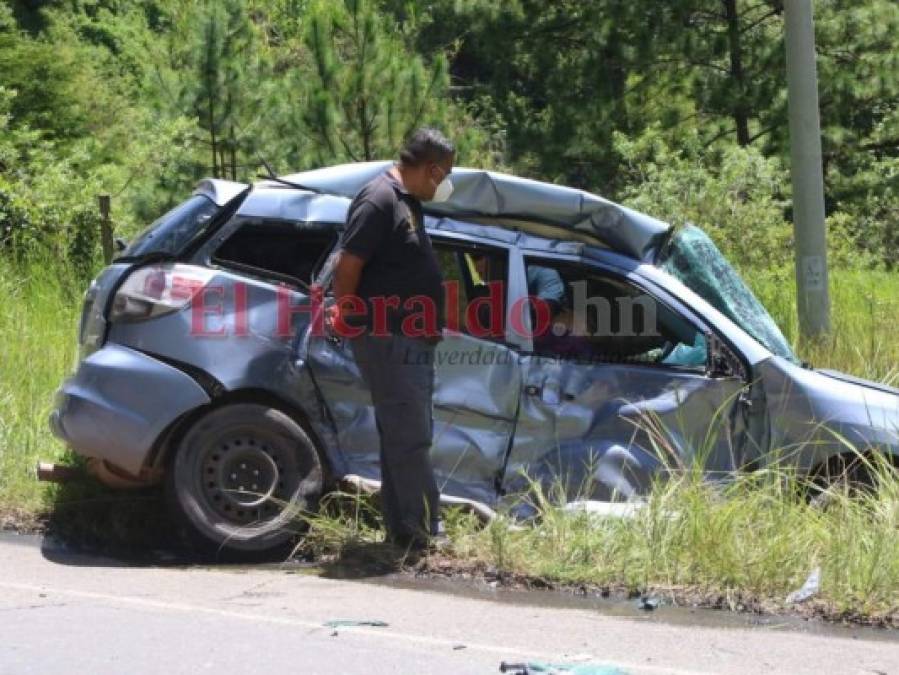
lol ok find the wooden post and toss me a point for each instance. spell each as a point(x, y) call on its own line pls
point(105, 229)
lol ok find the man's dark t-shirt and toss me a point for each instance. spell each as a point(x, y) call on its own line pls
point(385, 227)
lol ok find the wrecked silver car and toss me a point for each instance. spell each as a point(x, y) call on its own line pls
point(200, 366)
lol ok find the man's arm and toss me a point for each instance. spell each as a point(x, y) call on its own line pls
point(346, 282)
point(546, 283)
point(346, 275)
point(366, 228)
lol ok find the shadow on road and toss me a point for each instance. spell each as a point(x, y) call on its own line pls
point(366, 560)
point(92, 525)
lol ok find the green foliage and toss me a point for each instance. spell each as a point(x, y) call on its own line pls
point(84, 244)
point(752, 541)
point(568, 77)
point(368, 92)
point(222, 93)
point(734, 195)
point(141, 99)
point(865, 304)
point(37, 322)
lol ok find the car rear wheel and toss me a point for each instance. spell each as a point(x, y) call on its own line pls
point(240, 477)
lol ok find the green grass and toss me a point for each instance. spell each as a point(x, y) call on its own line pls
point(865, 307)
point(753, 541)
point(37, 350)
point(747, 544)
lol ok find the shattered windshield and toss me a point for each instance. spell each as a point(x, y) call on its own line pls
point(692, 258)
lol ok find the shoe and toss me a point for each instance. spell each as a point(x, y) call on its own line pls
point(406, 542)
point(419, 543)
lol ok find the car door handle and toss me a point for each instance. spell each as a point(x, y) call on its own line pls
point(534, 390)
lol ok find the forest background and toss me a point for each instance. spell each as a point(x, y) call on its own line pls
point(676, 107)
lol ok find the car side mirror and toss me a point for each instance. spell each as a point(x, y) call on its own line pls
point(721, 360)
point(120, 244)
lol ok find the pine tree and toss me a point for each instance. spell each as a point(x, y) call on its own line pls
point(223, 96)
point(368, 90)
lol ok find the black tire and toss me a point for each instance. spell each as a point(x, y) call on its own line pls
point(847, 474)
point(240, 475)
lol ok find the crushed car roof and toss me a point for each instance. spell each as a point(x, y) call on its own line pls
point(478, 194)
point(488, 197)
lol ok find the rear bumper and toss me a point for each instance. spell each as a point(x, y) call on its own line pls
point(119, 402)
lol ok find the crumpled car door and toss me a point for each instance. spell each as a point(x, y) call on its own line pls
point(602, 431)
point(476, 398)
point(475, 403)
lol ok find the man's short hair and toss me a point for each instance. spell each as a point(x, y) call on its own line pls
point(426, 145)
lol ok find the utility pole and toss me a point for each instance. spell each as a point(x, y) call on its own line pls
point(807, 171)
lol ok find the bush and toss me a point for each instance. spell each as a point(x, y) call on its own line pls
point(83, 243)
point(15, 224)
point(735, 195)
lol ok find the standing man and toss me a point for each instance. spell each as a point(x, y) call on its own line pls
point(387, 266)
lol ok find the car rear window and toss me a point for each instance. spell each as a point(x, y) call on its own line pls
point(171, 232)
point(279, 249)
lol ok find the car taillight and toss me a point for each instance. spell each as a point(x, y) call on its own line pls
point(158, 289)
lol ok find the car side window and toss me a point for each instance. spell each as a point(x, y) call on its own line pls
point(280, 249)
point(474, 288)
point(583, 314)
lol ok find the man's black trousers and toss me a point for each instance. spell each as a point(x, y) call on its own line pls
point(399, 372)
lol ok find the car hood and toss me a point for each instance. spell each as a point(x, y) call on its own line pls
point(814, 410)
point(851, 379)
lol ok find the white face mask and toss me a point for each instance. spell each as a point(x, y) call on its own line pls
point(443, 191)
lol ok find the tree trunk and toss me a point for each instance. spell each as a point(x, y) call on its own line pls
point(366, 130)
point(741, 115)
point(215, 164)
point(233, 149)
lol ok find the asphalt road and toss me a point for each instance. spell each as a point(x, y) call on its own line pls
point(64, 613)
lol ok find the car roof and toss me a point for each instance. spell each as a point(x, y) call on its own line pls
point(218, 190)
point(555, 212)
point(273, 201)
point(549, 210)
point(487, 198)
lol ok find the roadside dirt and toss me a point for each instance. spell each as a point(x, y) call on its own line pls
point(729, 600)
point(137, 530)
point(22, 521)
point(369, 561)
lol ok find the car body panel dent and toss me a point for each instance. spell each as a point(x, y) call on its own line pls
point(283, 203)
point(219, 190)
point(119, 403)
point(585, 427)
point(814, 416)
point(476, 391)
point(486, 193)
